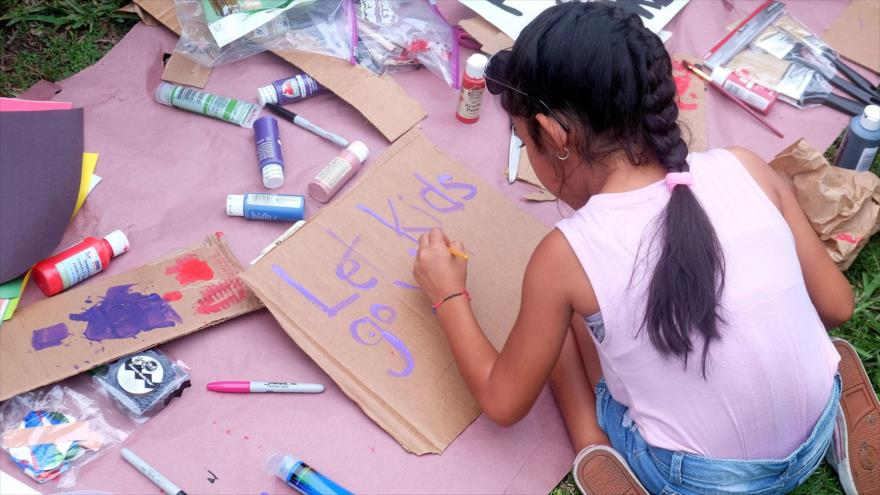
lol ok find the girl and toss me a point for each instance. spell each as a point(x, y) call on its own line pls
point(680, 313)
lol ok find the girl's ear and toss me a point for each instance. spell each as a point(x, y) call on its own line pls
point(558, 138)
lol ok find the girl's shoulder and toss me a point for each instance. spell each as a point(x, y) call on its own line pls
point(761, 173)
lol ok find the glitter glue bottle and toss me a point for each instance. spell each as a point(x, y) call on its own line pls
point(473, 84)
point(78, 262)
point(861, 142)
point(290, 90)
point(238, 112)
point(269, 156)
point(301, 477)
point(268, 207)
point(338, 171)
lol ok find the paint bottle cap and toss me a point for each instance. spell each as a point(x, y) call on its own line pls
point(118, 242)
point(267, 95)
point(280, 465)
point(360, 150)
point(871, 118)
point(235, 205)
point(273, 176)
point(476, 65)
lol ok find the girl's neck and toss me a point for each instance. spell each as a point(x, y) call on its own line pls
point(624, 176)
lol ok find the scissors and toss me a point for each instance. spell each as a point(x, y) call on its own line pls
point(513, 156)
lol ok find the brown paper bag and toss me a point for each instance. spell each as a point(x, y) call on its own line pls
point(842, 205)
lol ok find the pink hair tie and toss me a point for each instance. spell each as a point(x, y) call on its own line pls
point(678, 179)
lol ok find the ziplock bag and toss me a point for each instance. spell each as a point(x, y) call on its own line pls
point(215, 32)
point(396, 32)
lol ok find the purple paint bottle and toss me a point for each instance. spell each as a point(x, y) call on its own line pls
point(290, 90)
point(271, 161)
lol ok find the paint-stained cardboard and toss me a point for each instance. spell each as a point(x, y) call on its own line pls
point(342, 288)
point(385, 104)
point(176, 295)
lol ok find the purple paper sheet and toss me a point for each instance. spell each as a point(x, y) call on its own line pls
point(40, 168)
point(166, 176)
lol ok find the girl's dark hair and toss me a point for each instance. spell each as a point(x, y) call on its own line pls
point(610, 79)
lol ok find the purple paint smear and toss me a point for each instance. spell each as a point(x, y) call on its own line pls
point(122, 314)
point(49, 336)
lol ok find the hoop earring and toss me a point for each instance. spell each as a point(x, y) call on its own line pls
point(563, 158)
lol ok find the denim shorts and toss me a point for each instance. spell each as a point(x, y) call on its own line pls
point(670, 473)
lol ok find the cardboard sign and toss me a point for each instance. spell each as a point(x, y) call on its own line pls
point(385, 104)
point(104, 320)
point(856, 34)
point(342, 288)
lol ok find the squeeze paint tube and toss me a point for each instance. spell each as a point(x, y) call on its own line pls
point(269, 156)
point(338, 171)
point(290, 90)
point(231, 110)
point(270, 207)
point(302, 477)
point(473, 85)
point(78, 262)
point(752, 93)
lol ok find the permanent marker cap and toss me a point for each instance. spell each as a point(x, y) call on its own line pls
point(235, 205)
point(118, 242)
point(280, 465)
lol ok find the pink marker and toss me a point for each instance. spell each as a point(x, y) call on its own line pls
point(265, 387)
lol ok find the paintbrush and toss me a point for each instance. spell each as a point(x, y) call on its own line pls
point(730, 95)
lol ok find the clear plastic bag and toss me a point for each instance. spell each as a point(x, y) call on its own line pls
point(51, 432)
point(143, 383)
point(400, 33)
point(215, 32)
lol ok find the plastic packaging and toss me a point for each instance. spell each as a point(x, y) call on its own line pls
point(51, 432)
point(269, 157)
point(473, 85)
point(268, 207)
point(78, 262)
point(859, 147)
point(223, 108)
point(339, 171)
point(218, 32)
point(301, 476)
point(143, 383)
point(395, 33)
point(290, 90)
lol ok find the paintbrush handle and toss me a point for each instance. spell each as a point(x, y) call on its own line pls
point(747, 109)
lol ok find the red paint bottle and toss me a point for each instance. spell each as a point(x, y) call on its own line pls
point(78, 262)
point(473, 85)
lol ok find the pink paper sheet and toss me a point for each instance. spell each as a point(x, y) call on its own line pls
point(166, 177)
point(16, 105)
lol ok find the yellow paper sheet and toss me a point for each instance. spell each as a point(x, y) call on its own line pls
point(90, 160)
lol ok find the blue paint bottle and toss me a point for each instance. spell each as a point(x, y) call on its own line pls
point(862, 140)
point(302, 477)
point(269, 156)
point(270, 207)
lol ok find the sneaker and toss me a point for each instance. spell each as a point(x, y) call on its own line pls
point(599, 470)
point(855, 447)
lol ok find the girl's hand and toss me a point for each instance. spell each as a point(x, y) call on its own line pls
point(436, 270)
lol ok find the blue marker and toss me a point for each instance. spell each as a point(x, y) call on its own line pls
point(271, 207)
point(302, 477)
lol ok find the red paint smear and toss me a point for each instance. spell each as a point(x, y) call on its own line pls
point(847, 237)
point(174, 295)
point(246, 437)
point(189, 269)
point(682, 83)
point(694, 95)
point(220, 296)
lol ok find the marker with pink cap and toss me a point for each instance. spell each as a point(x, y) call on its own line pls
point(242, 387)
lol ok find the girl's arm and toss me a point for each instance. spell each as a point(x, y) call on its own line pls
point(829, 290)
point(505, 384)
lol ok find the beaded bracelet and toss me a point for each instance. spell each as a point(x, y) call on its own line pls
point(436, 305)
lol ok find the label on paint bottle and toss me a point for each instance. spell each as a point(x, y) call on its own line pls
point(217, 106)
point(79, 267)
point(333, 172)
point(266, 150)
point(866, 159)
point(275, 200)
point(469, 103)
point(298, 88)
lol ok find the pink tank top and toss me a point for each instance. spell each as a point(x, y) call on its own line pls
point(769, 376)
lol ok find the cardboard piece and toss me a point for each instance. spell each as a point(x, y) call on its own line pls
point(103, 320)
point(379, 99)
point(856, 34)
point(144, 16)
point(40, 168)
point(182, 70)
point(492, 39)
point(842, 205)
point(353, 307)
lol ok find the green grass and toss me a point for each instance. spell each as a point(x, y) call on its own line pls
point(54, 39)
